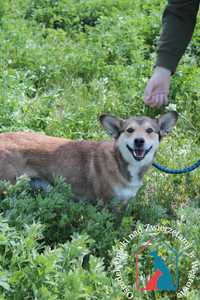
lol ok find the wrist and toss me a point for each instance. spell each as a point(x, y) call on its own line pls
point(162, 71)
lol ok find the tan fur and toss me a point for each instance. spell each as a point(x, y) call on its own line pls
point(93, 169)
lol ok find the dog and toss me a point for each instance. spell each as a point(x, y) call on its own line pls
point(95, 170)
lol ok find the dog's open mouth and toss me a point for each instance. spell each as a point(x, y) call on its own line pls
point(139, 153)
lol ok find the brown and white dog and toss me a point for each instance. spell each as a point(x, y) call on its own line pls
point(95, 170)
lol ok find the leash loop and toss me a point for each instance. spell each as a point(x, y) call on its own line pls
point(177, 171)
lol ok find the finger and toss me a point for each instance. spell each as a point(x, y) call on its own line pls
point(148, 100)
point(148, 92)
point(166, 100)
point(147, 95)
point(161, 98)
point(153, 101)
point(158, 100)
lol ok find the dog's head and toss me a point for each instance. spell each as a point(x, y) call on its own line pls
point(138, 138)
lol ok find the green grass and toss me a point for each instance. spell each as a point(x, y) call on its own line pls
point(63, 63)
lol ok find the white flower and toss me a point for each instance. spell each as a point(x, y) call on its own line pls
point(171, 107)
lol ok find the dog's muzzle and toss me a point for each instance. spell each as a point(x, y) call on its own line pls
point(138, 153)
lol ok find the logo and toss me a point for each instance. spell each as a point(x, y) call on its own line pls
point(162, 278)
point(155, 264)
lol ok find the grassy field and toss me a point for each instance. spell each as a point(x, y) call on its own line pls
point(63, 63)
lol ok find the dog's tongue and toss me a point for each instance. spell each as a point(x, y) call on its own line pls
point(139, 152)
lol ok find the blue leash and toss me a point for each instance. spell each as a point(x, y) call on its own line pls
point(178, 171)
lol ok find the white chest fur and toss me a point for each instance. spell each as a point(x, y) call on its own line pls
point(125, 192)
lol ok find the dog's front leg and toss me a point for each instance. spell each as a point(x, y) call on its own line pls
point(39, 184)
point(120, 211)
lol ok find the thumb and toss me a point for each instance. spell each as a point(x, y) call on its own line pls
point(148, 91)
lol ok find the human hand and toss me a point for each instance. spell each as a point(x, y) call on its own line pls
point(157, 88)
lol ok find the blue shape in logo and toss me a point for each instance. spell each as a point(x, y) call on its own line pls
point(165, 282)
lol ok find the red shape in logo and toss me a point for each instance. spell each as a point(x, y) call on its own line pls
point(152, 283)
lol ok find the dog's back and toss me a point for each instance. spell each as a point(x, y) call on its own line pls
point(83, 164)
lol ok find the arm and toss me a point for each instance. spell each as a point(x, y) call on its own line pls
point(179, 21)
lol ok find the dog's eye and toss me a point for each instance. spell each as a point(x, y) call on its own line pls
point(130, 130)
point(149, 130)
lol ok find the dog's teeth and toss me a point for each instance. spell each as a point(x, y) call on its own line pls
point(136, 153)
point(139, 153)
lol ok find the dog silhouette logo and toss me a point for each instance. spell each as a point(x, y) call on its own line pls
point(161, 278)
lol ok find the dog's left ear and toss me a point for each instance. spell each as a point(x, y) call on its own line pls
point(167, 122)
point(113, 125)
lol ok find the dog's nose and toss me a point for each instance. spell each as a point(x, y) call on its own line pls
point(139, 142)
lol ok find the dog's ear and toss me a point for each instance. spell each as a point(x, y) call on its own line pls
point(113, 125)
point(167, 122)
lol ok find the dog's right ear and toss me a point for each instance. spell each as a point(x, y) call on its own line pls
point(167, 122)
point(113, 125)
